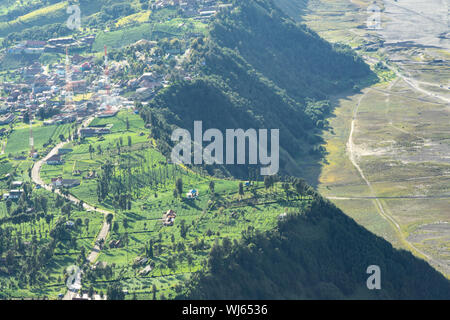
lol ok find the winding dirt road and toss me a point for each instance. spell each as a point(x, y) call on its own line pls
point(103, 234)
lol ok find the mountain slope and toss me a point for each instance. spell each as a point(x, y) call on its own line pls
point(259, 69)
point(294, 57)
point(294, 8)
point(317, 254)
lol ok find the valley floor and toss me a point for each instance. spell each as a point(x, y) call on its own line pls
point(388, 163)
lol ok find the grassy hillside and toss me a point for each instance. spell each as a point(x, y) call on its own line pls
point(149, 31)
point(318, 253)
point(44, 20)
point(142, 175)
point(18, 141)
point(54, 13)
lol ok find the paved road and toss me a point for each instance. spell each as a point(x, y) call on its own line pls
point(36, 177)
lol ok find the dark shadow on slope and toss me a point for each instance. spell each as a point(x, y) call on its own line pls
point(317, 254)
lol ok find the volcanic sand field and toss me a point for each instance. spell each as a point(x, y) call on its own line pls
point(401, 138)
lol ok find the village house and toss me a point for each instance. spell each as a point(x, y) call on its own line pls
point(89, 40)
point(99, 265)
point(13, 194)
point(61, 41)
point(66, 118)
point(85, 296)
point(92, 132)
point(66, 183)
point(5, 109)
point(149, 84)
point(145, 271)
point(115, 244)
point(79, 86)
point(91, 175)
point(192, 194)
point(7, 119)
point(282, 216)
point(55, 160)
point(33, 50)
point(48, 122)
point(32, 70)
point(108, 113)
point(17, 49)
point(16, 184)
point(169, 218)
point(35, 44)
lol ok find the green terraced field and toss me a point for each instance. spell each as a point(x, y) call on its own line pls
point(18, 141)
point(209, 218)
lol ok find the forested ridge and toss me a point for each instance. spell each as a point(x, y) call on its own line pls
point(259, 69)
point(318, 253)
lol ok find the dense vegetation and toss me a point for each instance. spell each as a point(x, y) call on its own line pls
point(319, 253)
point(36, 242)
point(259, 69)
point(239, 239)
